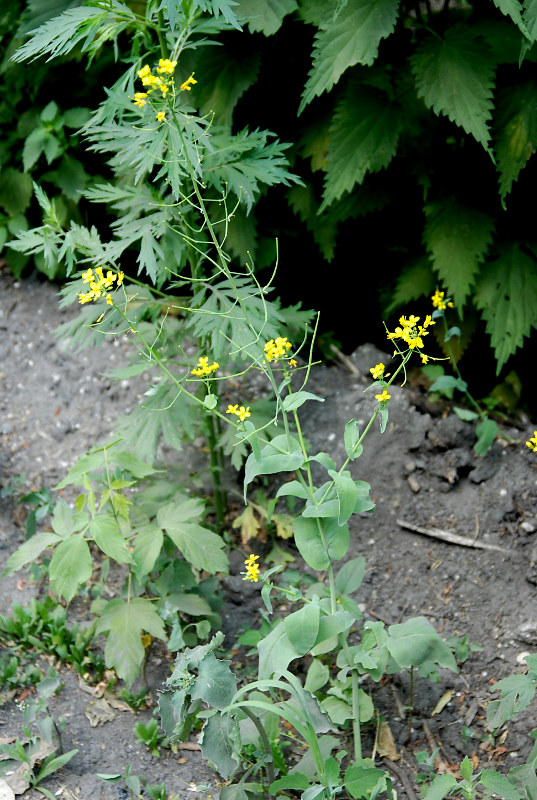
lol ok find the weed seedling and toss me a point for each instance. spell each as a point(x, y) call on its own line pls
point(151, 736)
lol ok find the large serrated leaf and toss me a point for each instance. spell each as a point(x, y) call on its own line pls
point(363, 138)
point(125, 621)
point(455, 77)
point(29, 551)
point(201, 547)
point(512, 9)
point(515, 131)
point(265, 16)
point(352, 37)
point(457, 238)
point(220, 743)
point(223, 76)
point(506, 294)
point(70, 566)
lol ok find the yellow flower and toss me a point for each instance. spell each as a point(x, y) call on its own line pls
point(277, 348)
point(87, 277)
point(142, 73)
point(139, 99)
point(424, 358)
point(532, 444)
point(186, 87)
point(242, 413)
point(439, 302)
point(166, 66)
point(377, 371)
point(384, 397)
point(292, 362)
point(109, 300)
point(161, 116)
point(204, 368)
point(252, 569)
point(120, 277)
point(99, 284)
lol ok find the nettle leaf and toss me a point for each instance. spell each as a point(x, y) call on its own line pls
point(415, 281)
point(506, 294)
point(457, 238)
point(352, 37)
point(201, 547)
point(125, 622)
point(530, 18)
point(223, 76)
point(515, 131)
point(513, 9)
point(70, 566)
point(265, 16)
point(455, 77)
point(363, 138)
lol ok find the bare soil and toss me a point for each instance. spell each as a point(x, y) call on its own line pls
point(56, 403)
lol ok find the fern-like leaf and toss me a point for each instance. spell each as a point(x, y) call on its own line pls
point(455, 77)
point(516, 131)
point(457, 238)
point(352, 37)
point(265, 16)
point(363, 138)
point(506, 294)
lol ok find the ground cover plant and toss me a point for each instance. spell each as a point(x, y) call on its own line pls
point(203, 326)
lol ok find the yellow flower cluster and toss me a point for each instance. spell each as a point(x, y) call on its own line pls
point(377, 371)
point(252, 569)
point(99, 285)
point(241, 412)
point(532, 444)
point(439, 302)
point(160, 81)
point(277, 348)
point(412, 333)
point(204, 369)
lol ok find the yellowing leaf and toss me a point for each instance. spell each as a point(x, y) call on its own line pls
point(442, 703)
point(385, 743)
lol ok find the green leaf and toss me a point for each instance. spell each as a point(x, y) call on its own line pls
point(302, 627)
point(516, 693)
point(512, 9)
point(351, 438)
point(352, 37)
point(15, 191)
point(416, 642)
point(350, 576)
point(330, 625)
point(147, 547)
point(415, 281)
point(530, 18)
point(30, 550)
point(293, 401)
point(515, 131)
point(486, 432)
point(215, 685)
point(360, 781)
point(201, 547)
point(53, 763)
point(105, 532)
point(294, 780)
point(440, 787)
point(125, 622)
point(465, 414)
point(34, 145)
point(457, 238)
point(506, 293)
point(317, 676)
point(455, 77)
point(500, 785)
point(70, 566)
point(347, 494)
point(76, 117)
point(310, 544)
point(275, 653)
point(265, 16)
point(282, 454)
point(220, 744)
point(363, 138)
point(66, 521)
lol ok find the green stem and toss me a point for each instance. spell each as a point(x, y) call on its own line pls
point(265, 741)
point(219, 493)
point(160, 34)
point(411, 710)
point(453, 360)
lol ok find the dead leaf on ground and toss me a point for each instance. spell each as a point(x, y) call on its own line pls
point(385, 743)
point(442, 703)
point(6, 792)
point(98, 712)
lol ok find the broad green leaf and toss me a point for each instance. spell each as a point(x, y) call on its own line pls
point(125, 622)
point(30, 550)
point(292, 488)
point(187, 602)
point(51, 764)
point(70, 566)
point(330, 625)
point(455, 77)
point(457, 238)
point(416, 642)
point(352, 37)
point(347, 494)
point(275, 653)
point(137, 468)
point(506, 293)
point(515, 131)
point(293, 401)
point(294, 780)
point(147, 547)
point(310, 545)
point(350, 576)
point(65, 521)
point(201, 547)
point(486, 432)
point(360, 781)
point(15, 191)
point(338, 710)
point(516, 693)
point(530, 18)
point(415, 281)
point(440, 787)
point(317, 676)
point(264, 16)
point(282, 454)
point(83, 466)
point(34, 145)
point(302, 627)
point(512, 9)
point(220, 744)
point(105, 532)
point(351, 438)
point(215, 685)
point(500, 785)
point(363, 138)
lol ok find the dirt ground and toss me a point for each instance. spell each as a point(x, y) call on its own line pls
point(56, 403)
